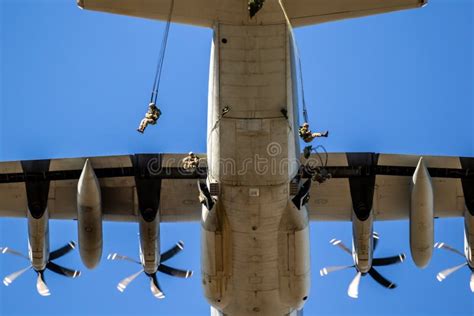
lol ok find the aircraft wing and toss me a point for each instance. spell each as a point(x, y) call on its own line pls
point(390, 176)
point(117, 176)
point(307, 12)
point(452, 178)
point(207, 12)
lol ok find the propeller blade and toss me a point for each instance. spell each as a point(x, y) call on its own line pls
point(442, 245)
point(175, 272)
point(376, 240)
point(155, 287)
point(445, 273)
point(353, 290)
point(325, 271)
point(471, 283)
point(10, 278)
point(170, 253)
point(62, 270)
point(388, 260)
point(41, 286)
point(13, 252)
point(125, 282)
point(62, 251)
point(381, 280)
point(116, 256)
point(338, 243)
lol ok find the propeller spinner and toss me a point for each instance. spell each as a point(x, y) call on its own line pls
point(353, 290)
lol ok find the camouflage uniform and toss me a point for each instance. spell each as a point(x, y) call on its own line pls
point(191, 161)
point(151, 116)
point(307, 135)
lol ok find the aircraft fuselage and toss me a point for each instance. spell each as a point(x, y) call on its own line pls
point(255, 242)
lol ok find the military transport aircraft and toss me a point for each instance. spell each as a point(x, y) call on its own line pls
point(253, 194)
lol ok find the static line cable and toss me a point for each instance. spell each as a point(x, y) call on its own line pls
point(325, 163)
point(298, 59)
point(161, 56)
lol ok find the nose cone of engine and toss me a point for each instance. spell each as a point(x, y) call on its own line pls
point(91, 257)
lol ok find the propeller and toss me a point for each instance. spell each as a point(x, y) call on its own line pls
point(154, 285)
point(353, 289)
point(447, 272)
point(41, 285)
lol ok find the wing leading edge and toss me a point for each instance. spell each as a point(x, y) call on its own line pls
point(452, 179)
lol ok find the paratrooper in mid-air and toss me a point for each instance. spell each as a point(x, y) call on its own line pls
point(151, 117)
point(308, 136)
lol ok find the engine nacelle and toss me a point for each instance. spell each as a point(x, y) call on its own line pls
point(89, 217)
point(38, 240)
point(362, 242)
point(150, 243)
point(421, 216)
point(469, 238)
point(37, 193)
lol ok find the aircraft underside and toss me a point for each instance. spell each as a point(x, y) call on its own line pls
point(251, 188)
point(255, 254)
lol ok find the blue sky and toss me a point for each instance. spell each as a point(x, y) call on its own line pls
point(76, 83)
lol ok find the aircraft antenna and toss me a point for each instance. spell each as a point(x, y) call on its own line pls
point(161, 57)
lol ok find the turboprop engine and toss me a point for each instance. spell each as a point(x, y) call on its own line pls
point(364, 240)
point(39, 257)
point(353, 289)
point(151, 260)
point(41, 286)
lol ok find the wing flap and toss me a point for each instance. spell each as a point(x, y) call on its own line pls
point(330, 201)
point(13, 200)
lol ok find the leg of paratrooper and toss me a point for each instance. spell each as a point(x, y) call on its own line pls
point(323, 134)
point(143, 125)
